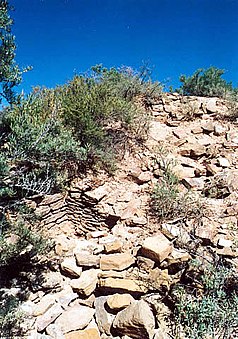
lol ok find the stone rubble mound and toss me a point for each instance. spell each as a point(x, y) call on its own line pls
point(114, 260)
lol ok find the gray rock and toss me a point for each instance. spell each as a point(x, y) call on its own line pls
point(49, 317)
point(103, 318)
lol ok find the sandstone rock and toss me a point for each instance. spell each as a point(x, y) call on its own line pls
point(136, 321)
point(184, 172)
point(52, 280)
point(208, 127)
point(194, 183)
point(145, 264)
point(118, 261)
point(144, 177)
point(98, 193)
point(156, 248)
point(69, 268)
point(86, 284)
point(159, 280)
point(48, 317)
point(55, 332)
point(222, 242)
point(177, 256)
point(223, 162)
point(211, 105)
point(123, 285)
point(75, 318)
point(87, 260)
point(103, 318)
point(119, 301)
point(219, 130)
point(114, 246)
point(46, 302)
point(89, 333)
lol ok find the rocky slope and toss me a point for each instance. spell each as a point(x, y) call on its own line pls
point(115, 259)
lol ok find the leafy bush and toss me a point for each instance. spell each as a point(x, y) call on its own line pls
point(205, 82)
point(211, 312)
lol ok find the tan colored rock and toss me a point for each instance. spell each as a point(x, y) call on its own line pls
point(156, 248)
point(211, 105)
point(119, 301)
point(45, 303)
point(118, 261)
point(69, 268)
point(194, 183)
point(124, 285)
point(48, 317)
point(55, 332)
point(177, 256)
point(75, 318)
point(137, 321)
point(98, 193)
point(114, 246)
point(90, 333)
point(86, 284)
point(144, 264)
point(87, 260)
point(144, 177)
point(159, 280)
point(208, 127)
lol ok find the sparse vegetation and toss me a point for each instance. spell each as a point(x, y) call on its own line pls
point(211, 307)
point(206, 82)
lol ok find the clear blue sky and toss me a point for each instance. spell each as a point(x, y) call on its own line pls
point(61, 37)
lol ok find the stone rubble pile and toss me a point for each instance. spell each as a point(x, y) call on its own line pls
point(115, 261)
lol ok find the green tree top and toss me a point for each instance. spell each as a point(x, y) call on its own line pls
point(10, 73)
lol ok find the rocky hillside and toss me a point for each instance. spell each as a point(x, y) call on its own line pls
point(125, 243)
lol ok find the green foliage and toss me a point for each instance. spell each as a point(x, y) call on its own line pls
point(19, 238)
point(10, 73)
point(10, 316)
point(214, 312)
point(205, 82)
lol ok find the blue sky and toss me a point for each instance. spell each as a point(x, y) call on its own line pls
point(62, 37)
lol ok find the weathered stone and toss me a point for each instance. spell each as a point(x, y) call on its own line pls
point(177, 256)
point(118, 261)
point(48, 317)
point(194, 183)
point(223, 162)
point(211, 105)
point(184, 172)
point(114, 246)
point(219, 130)
point(136, 321)
point(69, 268)
point(89, 333)
point(52, 280)
point(86, 284)
point(119, 301)
point(144, 177)
point(103, 318)
point(98, 193)
point(87, 260)
point(208, 127)
point(75, 318)
point(193, 150)
point(222, 242)
point(55, 332)
point(157, 247)
point(172, 231)
point(145, 264)
point(46, 302)
point(159, 280)
point(123, 285)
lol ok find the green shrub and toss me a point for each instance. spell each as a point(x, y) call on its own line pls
point(214, 310)
point(205, 82)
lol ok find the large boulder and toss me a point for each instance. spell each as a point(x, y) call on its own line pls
point(136, 321)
